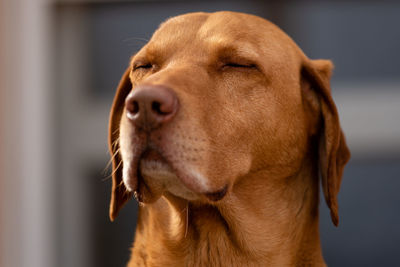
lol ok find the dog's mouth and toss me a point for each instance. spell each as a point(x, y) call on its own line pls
point(151, 174)
point(154, 164)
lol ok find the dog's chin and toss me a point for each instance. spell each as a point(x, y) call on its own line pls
point(160, 177)
point(152, 178)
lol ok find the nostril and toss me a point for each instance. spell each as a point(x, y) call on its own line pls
point(156, 107)
point(135, 107)
point(132, 106)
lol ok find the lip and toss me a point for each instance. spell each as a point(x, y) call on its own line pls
point(151, 173)
point(151, 169)
point(144, 154)
point(155, 168)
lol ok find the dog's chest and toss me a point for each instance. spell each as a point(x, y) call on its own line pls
point(212, 252)
point(209, 245)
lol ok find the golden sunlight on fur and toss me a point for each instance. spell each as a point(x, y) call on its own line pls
point(222, 129)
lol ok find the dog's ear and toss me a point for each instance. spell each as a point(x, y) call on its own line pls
point(119, 194)
point(333, 152)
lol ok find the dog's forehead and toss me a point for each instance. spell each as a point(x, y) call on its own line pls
point(194, 35)
point(220, 27)
point(210, 24)
point(201, 30)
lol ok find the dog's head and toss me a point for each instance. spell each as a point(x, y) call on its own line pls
point(213, 97)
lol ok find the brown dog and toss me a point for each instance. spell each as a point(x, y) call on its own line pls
point(220, 127)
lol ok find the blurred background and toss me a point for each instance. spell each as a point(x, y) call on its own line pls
point(60, 62)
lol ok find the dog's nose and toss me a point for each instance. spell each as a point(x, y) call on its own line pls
point(151, 106)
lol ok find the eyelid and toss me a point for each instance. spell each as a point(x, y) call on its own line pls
point(237, 60)
point(239, 65)
point(142, 65)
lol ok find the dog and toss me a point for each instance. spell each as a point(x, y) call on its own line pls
point(221, 128)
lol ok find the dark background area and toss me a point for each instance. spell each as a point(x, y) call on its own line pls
point(361, 39)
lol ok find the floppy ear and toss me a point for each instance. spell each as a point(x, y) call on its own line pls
point(119, 194)
point(333, 152)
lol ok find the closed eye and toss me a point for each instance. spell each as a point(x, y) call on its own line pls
point(143, 66)
point(243, 66)
point(238, 65)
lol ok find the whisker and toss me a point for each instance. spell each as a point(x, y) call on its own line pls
point(116, 131)
point(108, 165)
point(187, 219)
point(116, 169)
point(136, 39)
point(112, 157)
point(115, 143)
point(110, 161)
point(138, 43)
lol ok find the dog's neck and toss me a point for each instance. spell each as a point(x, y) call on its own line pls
point(272, 225)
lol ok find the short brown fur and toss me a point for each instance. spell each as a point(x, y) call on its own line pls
point(267, 131)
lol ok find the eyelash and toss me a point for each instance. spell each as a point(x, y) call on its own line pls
point(227, 65)
point(237, 65)
point(143, 66)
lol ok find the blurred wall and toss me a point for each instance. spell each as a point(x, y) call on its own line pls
point(61, 61)
point(26, 172)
